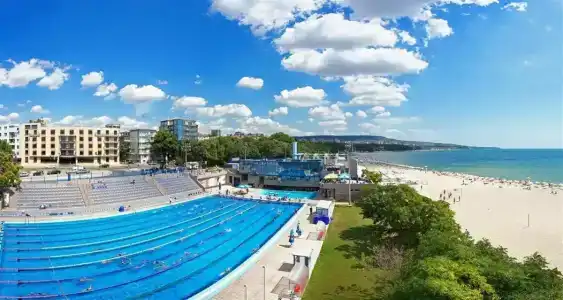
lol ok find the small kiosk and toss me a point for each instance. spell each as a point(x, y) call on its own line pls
point(323, 212)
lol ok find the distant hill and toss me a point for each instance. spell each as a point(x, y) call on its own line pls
point(375, 139)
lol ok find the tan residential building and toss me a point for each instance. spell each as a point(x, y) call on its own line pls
point(42, 144)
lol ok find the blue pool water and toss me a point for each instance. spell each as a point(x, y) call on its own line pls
point(168, 253)
point(290, 194)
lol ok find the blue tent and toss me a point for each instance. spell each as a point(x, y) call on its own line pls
point(122, 208)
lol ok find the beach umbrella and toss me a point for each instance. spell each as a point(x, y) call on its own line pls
point(243, 186)
point(344, 176)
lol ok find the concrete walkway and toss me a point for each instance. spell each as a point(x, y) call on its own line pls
point(278, 261)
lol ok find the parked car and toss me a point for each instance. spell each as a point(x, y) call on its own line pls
point(53, 172)
point(37, 173)
point(24, 174)
point(104, 166)
point(82, 171)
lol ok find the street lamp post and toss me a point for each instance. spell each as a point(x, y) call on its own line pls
point(264, 268)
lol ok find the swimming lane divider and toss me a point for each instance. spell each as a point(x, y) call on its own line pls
point(128, 245)
point(21, 282)
point(141, 278)
point(163, 287)
point(121, 238)
point(11, 270)
point(178, 214)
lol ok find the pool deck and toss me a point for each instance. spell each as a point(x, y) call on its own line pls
point(273, 259)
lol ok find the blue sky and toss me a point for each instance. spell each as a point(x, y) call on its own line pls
point(486, 73)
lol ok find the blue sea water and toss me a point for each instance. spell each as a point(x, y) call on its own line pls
point(519, 164)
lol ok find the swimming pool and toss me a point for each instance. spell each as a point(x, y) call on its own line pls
point(168, 253)
point(290, 194)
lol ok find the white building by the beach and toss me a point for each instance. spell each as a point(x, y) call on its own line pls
point(11, 134)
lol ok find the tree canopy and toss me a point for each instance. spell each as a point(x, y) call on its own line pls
point(164, 146)
point(5, 147)
point(442, 262)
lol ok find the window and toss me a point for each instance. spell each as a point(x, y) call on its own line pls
point(34, 139)
point(81, 131)
point(42, 138)
point(89, 139)
point(53, 146)
point(26, 139)
point(98, 132)
point(90, 146)
point(62, 131)
point(43, 153)
point(35, 160)
point(71, 132)
point(43, 131)
point(26, 132)
point(53, 153)
point(34, 153)
point(81, 139)
point(90, 153)
point(81, 152)
point(90, 132)
point(52, 131)
point(26, 152)
point(43, 146)
point(52, 139)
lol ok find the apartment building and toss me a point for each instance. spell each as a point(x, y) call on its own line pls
point(140, 145)
point(42, 144)
point(183, 129)
point(11, 134)
point(125, 145)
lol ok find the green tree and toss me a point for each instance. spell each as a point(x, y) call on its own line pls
point(373, 177)
point(124, 152)
point(282, 137)
point(5, 147)
point(9, 171)
point(164, 146)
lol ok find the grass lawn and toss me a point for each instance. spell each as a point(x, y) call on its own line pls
point(339, 272)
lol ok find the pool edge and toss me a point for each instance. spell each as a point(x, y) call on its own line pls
point(220, 285)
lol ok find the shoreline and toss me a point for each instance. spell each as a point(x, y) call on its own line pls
point(522, 216)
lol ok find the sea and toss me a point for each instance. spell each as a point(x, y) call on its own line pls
point(518, 164)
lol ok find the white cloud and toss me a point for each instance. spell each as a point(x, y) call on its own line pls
point(438, 28)
point(349, 114)
point(369, 127)
point(376, 91)
point(516, 6)
point(361, 114)
point(188, 102)
point(311, 120)
point(251, 83)
point(54, 80)
point(92, 79)
point(301, 97)
point(377, 109)
point(264, 15)
point(267, 126)
point(22, 73)
point(2, 106)
point(404, 8)
point(407, 38)
point(280, 111)
point(395, 133)
point(9, 118)
point(384, 114)
point(213, 124)
point(333, 123)
point(198, 80)
point(396, 120)
point(360, 61)
point(332, 112)
point(69, 120)
point(334, 31)
point(106, 90)
point(133, 93)
point(234, 110)
point(130, 123)
point(38, 109)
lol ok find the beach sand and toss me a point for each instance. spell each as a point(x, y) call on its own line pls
point(497, 211)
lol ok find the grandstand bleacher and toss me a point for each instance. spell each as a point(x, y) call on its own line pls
point(50, 195)
point(121, 189)
point(176, 183)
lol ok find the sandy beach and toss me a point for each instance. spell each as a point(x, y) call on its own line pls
point(495, 209)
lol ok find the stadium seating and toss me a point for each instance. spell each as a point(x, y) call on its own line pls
point(50, 195)
point(176, 183)
point(121, 189)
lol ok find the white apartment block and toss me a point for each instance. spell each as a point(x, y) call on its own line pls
point(140, 145)
point(47, 145)
point(11, 134)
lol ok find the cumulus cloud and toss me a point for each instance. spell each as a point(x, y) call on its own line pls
point(22, 73)
point(376, 109)
point(373, 90)
point(361, 114)
point(106, 90)
point(79, 120)
point(516, 6)
point(217, 111)
point(333, 123)
point(92, 79)
point(131, 123)
point(133, 93)
point(280, 111)
point(407, 38)
point(349, 114)
point(301, 97)
point(332, 112)
point(359, 61)
point(251, 83)
point(186, 102)
point(267, 126)
point(264, 15)
point(38, 109)
point(9, 118)
point(438, 28)
point(369, 127)
point(384, 114)
point(334, 31)
point(54, 80)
